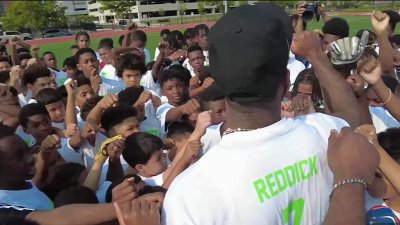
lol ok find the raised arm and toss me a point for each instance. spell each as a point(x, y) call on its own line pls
point(372, 74)
point(350, 156)
point(188, 108)
point(338, 95)
point(380, 23)
point(96, 113)
point(77, 214)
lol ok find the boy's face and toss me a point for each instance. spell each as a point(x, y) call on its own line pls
point(218, 111)
point(87, 63)
point(128, 127)
point(196, 60)
point(174, 90)
point(41, 83)
point(83, 41)
point(105, 55)
point(50, 61)
point(39, 126)
point(373, 99)
point(190, 42)
point(381, 187)
point(202, 39)
point(138, 44)
point(71, 73)
point(17, 163)
point(131, 78)
point(5, 66)
point(155, 166)
point(56, 111)
point(83, 93)
point(305, 89)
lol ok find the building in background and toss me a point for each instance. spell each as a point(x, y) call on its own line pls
point(146, 12)
point(75, 7)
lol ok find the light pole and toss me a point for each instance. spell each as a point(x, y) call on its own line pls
point(226, 6)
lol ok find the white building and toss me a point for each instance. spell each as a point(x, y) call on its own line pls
point(147, 11)
point(75, 7)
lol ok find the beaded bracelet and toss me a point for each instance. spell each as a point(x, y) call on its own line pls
point(347, 181)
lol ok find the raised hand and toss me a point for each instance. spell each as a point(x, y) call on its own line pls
point(125, 191)
point(95, 79)
point(190, 107)
point(89, 130)
point(351, 155)
point(168, 143)
point(302, 105)
point(208, 82)
point(356, 83)
point(15, 72)
point(370, 70)
point(300, 10)
point(286, 109)
point(194, 82)
point(369, 132)
point(139, 211)
point(70, 86)
point(114, 150)
point(144, 97)
point(50, 143)
point(192, 150)
point(380, 22)
point(108, 101)
point(71, 129)
point(305, 44)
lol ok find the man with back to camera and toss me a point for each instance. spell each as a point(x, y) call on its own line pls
point(265, 170)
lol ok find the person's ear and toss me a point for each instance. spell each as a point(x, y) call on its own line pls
point(79, 67)
point(139, 168)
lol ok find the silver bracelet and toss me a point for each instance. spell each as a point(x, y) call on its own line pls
point(347, 181)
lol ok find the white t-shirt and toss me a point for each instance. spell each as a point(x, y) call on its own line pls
point(23, 99)
point(273, 175)
point(31, 198)
point(58, 125)
point(60, 77)
point(148, 83)
point(153, 181)
point(161, 114)
point(295, 67)
point(110, 83)
point(382, 119)
point(151, 124)
point(156, 53)
point(211, 138)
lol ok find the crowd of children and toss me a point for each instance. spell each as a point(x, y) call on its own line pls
point(228, 125)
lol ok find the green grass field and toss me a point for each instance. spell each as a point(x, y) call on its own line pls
point(62, 49)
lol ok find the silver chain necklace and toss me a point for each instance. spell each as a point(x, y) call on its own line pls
point(230, 131)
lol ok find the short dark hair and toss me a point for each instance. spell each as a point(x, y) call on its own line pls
point(116, 115)
point(4, 76)
point(4, 59)
point(82, 80)
point(173, 42)
point(82, 51)
point(23, 50)
point(194, 48)
point(139, 35)
point(62, 91)
point(201, 27)
point(48, 52)
point(106, 42)
point(48, 95)
point(130, 95)
point(74, 46)
point(24, 56)
point(336, 26)
point(211, 94)
point(31, 110)
point(129, 62)
point(89, 105)
point(70, 62)
point(63, 176)
point(391, 83)
point(189, 33)
point(6, 131)
point(177, 35)
point(178, 128)
point(394, 18)
point(395, 39)
point(151, 189)
point(81, 33)
point(389, 140)
point(75, 195)
point(164, 31)
point(176, 71)
point(33, 72)
point(139, 147)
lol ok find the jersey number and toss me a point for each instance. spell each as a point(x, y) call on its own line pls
point(295, 207)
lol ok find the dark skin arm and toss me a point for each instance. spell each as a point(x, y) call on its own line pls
point(77, 214)
point(338, 95)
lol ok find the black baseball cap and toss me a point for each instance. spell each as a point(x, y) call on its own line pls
point(249, 51)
